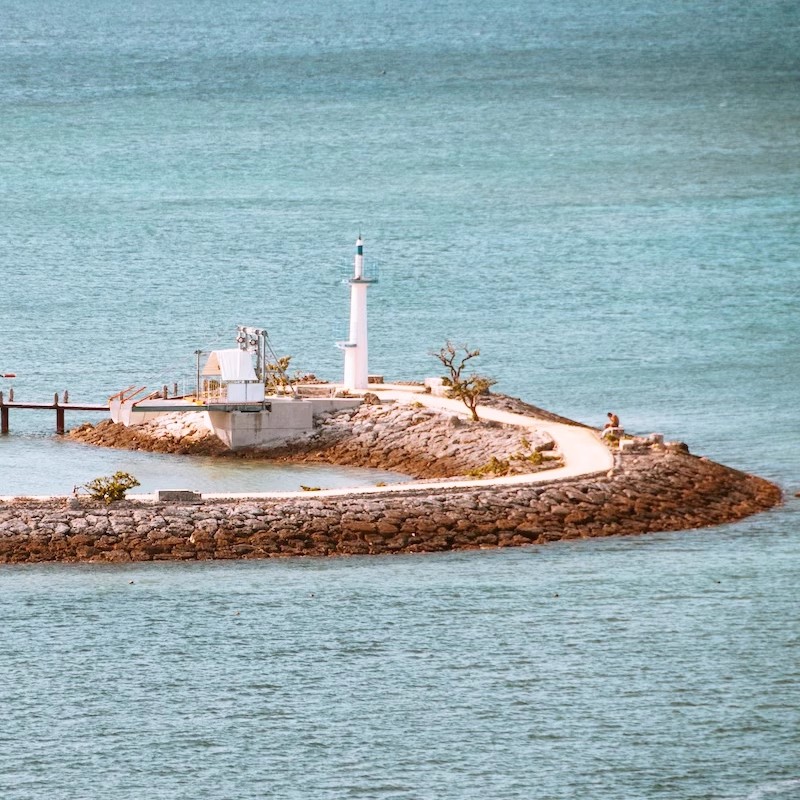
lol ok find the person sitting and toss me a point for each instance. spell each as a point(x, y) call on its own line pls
point(611, 428)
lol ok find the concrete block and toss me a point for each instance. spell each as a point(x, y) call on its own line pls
point(436, 387)
point(181, 495)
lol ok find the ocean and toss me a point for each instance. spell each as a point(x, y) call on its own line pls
point(602, 197)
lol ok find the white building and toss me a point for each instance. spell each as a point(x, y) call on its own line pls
point(234, 403)
point(229, 377)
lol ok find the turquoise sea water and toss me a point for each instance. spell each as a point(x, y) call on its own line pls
point(603, 197)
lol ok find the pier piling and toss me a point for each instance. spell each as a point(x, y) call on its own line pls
point(60, 427)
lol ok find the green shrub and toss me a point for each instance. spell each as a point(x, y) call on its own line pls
point(112, 488)
point(534, 458)
point(495, 466)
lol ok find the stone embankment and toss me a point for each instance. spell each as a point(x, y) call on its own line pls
point(409, 438)
point(181, 433)
point(654, 491)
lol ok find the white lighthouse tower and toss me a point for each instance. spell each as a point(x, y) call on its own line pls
point(355, 348)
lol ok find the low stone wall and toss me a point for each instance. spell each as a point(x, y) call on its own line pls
point(650, 492)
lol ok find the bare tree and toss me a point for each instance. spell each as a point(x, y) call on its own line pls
point(467, 388)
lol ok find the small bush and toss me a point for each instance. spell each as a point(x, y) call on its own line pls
point(112, 488)
point(534, 457)
point(495, 466)
point(310, 488)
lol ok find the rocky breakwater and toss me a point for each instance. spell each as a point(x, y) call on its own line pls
point(658, 490)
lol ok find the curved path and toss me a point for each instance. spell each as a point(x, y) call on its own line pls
point(583, 452)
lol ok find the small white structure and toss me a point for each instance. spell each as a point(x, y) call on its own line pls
point(356, 371)
point(229, 377)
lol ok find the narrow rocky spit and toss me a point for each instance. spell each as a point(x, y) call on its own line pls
point(651, 488)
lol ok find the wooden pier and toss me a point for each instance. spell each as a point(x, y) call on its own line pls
point(60, 407)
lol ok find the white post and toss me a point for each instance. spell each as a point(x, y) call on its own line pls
point(356, 372)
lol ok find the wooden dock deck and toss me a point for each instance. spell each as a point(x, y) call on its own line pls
point(59, 407)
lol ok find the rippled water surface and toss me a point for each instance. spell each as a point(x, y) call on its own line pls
point(601, 196)
point(649, 667)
